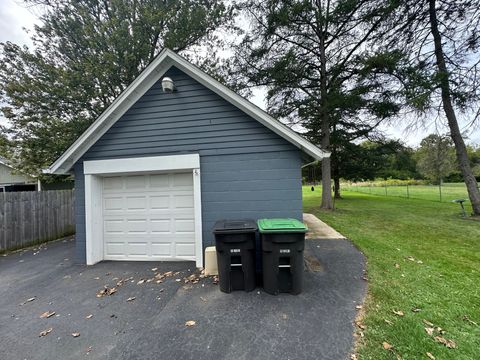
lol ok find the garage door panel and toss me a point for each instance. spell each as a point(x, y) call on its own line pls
point(135, 182)
point(184, 226)
point(183, 180)
point(113, 226)
point(136, 202)
point(160, 226)
point(159, 181)
point(112, 183)
point(162, 249)
point(183, 201)
point(113, 203)
point(115, 249)
point(138, 248)
point(184, 249)
point(149, 216)
point(137, 226)
point(159, 202)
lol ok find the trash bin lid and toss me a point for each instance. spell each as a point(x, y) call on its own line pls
point(281, 226)
point(235, 226)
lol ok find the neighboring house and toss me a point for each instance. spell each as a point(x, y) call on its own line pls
point(12, 180)
point(156, 170)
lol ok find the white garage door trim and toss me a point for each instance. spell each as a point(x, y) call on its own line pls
point(94, 170)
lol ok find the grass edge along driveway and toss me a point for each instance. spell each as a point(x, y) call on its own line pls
point(423, 273)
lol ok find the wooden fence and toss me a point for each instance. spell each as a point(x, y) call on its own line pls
point(28, 218)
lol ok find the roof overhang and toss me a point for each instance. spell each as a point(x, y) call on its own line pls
point(147, 78)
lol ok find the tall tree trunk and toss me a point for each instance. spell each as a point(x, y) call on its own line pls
point(335, 172)
point(327, 202)
point(336, 186)
point(460, 148)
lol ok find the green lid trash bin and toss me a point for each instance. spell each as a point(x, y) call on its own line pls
point(283, 242)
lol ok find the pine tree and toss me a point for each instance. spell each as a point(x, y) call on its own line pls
point(321, 72)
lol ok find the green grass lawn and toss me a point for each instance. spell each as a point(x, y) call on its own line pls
point(449, 191)
point(442, 283)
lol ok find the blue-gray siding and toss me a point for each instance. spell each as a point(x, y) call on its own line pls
point(246, 169)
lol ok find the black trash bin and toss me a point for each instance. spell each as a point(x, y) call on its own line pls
point(235, 245)
point(283, 242)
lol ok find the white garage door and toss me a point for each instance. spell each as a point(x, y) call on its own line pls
point(149, 217)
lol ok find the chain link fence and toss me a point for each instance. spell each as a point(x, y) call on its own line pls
point(445, 192)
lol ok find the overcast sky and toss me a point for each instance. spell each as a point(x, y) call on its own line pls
point(15, 18)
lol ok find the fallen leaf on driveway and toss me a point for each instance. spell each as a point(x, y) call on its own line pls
point(47, 314)
point(387, 346)
point(89, 316)
point(45, 332)
point(448, 343)
point(168, 273)
point(121, 282)
point(75, 334)
point(141, 282)
point(88, 350)
point(106, 291)
point(353, 357)
point(28, 300)
point(190, 323)
point(430, 356)
point(192, 279)
point(359, 307)
point(398, 312)
point(154, 269)
point(131, 298)
point(215, 280)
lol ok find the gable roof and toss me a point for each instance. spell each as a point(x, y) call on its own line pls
point(147, 78)
point(5, 162)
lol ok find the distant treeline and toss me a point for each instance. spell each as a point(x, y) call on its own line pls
point(433, 161)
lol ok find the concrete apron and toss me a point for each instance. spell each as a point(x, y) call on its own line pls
point(317, 229)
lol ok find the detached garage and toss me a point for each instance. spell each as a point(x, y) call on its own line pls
point(175, 152)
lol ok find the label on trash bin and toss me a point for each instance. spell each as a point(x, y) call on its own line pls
point(234, 251)
point(284, 251)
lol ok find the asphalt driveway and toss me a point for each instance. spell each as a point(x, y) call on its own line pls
point(318, 324)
